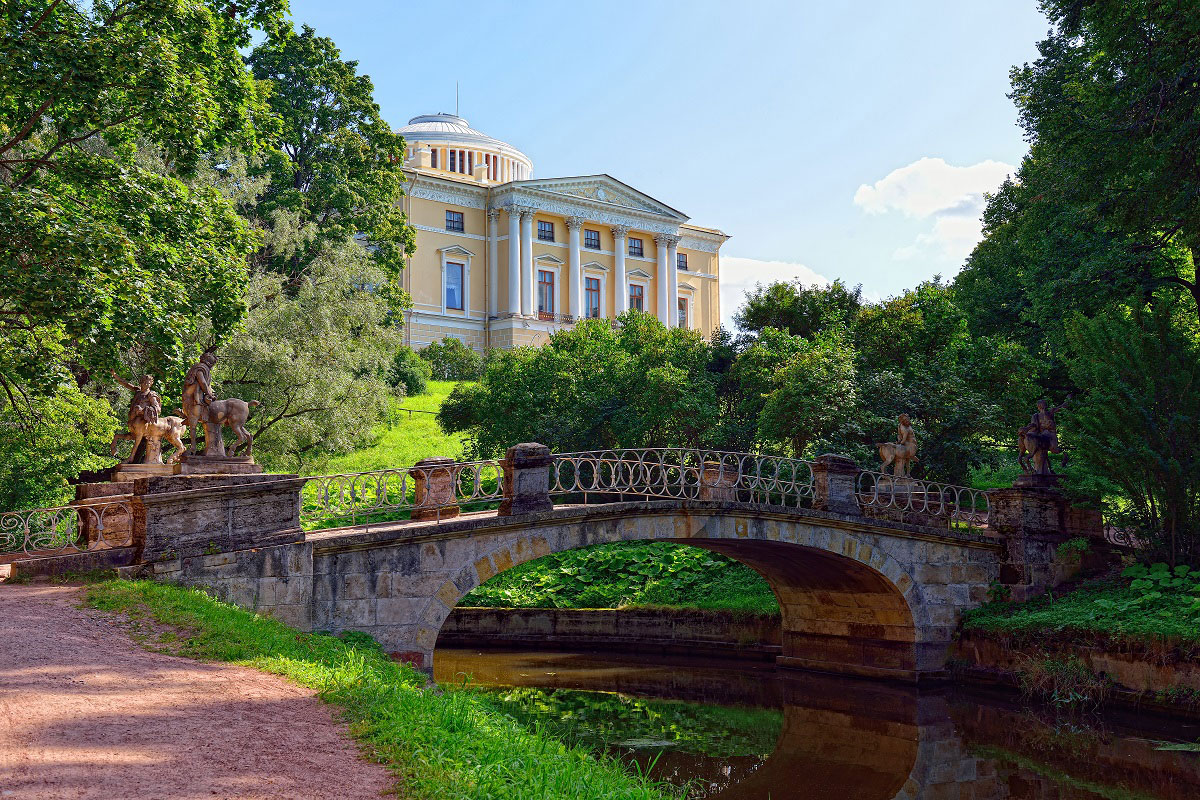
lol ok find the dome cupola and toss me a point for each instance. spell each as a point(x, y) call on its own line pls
point(446, 143)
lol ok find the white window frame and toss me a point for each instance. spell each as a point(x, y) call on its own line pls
point(603, 278)
point(549, 263)
point(688, 293)
point(457, 255)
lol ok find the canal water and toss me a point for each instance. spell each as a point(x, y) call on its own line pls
point(742, 731)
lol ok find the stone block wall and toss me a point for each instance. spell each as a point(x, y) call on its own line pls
point(423, 333)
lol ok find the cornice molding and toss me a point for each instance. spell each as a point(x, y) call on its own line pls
point(591, 211)
point(691, 241)
point(468, 197)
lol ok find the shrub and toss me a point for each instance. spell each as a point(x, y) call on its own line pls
point(451, 360)
point(410, 371)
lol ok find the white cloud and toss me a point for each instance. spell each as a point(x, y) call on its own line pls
point(739, 275)
point(930, 188)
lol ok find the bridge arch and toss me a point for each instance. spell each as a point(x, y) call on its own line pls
point(848, 605)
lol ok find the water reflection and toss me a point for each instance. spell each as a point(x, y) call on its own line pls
point(742, 731)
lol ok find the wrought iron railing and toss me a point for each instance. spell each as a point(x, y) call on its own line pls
point(679, 473)
point(423, 491)
point(87, 525)
point(961, 505)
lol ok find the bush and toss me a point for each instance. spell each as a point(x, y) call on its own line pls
point(410, 371)
point(451, 360)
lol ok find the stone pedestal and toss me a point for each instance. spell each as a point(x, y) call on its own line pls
point(526, 480)
point(104, 526)
point(195, 464)
point(192, 515)
point(717, 483)
point(131, 472)
point(435, 480)
point(834, 477)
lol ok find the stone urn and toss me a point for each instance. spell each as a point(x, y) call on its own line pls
point(717, 483)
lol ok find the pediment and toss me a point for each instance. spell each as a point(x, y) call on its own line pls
point(455, 250)
point(606, 189)
point(637, 273)
point(595, 265)
point(687, 286)
point(549, 259)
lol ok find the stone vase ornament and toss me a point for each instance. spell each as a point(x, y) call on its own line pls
point(434, 482)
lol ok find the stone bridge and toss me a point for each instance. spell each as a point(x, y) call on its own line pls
point(872, 576)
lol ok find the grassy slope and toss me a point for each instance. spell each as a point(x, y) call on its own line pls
point(404, 441)
point(443, 744)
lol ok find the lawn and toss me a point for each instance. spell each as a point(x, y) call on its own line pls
point(441, 743)
point(406, 438)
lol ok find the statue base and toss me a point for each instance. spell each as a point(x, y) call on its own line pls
point(130, 472)
point(1033, 480)
point(194, 464)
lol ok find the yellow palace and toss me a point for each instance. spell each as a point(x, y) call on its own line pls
point(504, 259)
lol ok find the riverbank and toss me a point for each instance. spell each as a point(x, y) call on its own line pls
point(1132, 639)
point(440, 743)
point(693, 632)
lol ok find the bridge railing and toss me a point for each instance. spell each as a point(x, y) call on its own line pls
point(680, 473)
point(429, 491)
point(962, 506)
point(94, 524)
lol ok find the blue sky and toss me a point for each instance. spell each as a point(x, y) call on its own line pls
point(830, 140)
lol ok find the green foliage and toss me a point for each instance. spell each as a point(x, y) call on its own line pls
point(451, 360)
point(336, 164)
point(1147, 606)
point(1062, 681)
point(439, 742)
point(1138, 425)
point(592, 386)
point(1073, 548)
point(798, 309)
point(602, 720)
point(70, 433)
point(811, 394)
point(629, 574)
point(410, 371)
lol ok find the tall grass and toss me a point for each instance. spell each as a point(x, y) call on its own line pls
point(441, 744)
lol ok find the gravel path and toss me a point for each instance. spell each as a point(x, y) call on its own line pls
point(87, 713)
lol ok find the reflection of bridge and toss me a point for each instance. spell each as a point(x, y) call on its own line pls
point(871, 572)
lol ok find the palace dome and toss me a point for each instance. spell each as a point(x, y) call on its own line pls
point(449, 130)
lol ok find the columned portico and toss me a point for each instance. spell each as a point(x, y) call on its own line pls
point(620, 284)
point(662, 281)
point(514, 259)
point(575, 287)
point(526, 261)
point(672, 281)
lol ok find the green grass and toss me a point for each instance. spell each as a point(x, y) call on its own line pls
point(403, 441)
point(441, 744)
point(1156, 609)
point(625, 574)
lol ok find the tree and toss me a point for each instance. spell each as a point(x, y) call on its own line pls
point(1111, 107)
point(813, 395)
point(451, 360)
point(589, 387)
point(1137, 425)
point(336, 164)
point(798, 309)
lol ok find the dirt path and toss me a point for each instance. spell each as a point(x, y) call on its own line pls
point(86, 712)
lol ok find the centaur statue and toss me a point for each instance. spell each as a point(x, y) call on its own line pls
point(201, 406)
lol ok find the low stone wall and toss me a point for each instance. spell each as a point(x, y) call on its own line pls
point(1148, 681)
point(688, 632)
point(274, 581)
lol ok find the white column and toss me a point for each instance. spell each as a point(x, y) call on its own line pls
point(575, 287)
point(673, 281)
point(620, 286)
point(663, 281)
point(514, 259)
point(527, 307)
point(493, 273)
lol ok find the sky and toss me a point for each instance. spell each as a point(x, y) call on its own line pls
point(829, 140)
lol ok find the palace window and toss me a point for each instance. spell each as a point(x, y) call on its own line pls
point(471, 163)
point(591, 297)
point(681, 260)
point(545, 231)
point(454, 221)
point(454, 285)
point(637, 297)
point(545, 293)
point(635, 246)
point(433, 154)
point(591, 239)
point(683, 312)
point(454, 161)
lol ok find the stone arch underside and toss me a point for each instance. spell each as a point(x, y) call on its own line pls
point(848, 606)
